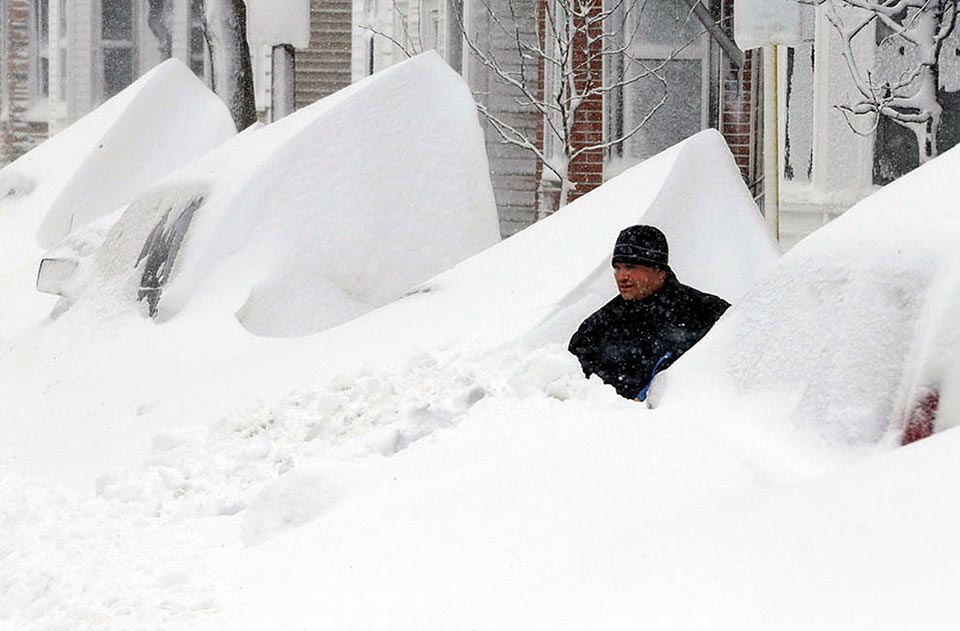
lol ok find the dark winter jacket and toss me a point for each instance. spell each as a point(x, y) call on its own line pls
point(623, 341)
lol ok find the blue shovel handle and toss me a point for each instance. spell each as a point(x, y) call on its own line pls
point(656, 368)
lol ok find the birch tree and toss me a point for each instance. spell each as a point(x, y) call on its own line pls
point(910, 97)
point(225, 31)
point(586, 50)
point(158, 18)
point(579, 52)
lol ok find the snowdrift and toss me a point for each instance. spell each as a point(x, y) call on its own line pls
point(853, 334)
point(438, 451)
point(556, 272)
point(439, 454)
point(65, 193)
point(533, 289)
point(157, 124)
point(632, 514)
point(328, 213)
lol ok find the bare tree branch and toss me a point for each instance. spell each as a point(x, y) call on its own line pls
point(911, 98)
point(406, 51)
point(573, 42)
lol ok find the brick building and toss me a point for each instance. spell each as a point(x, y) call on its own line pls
point(60, 59)
point(817, 165)
point(24, 85)
point(702, 87)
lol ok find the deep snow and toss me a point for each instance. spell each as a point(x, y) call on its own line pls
point(160, 122)
point(440, 462)
point(854, 327)
point(86, 392)
point(58, 195)
point(334, 210)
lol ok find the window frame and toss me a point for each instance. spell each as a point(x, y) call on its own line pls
point(615, 100)
point(40, 50)
point(131, 46)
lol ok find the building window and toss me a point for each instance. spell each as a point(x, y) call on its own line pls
point(37, 78)
point(668, 105)
point(198, 51)
point(41, 16)
point(429, 25)
point(799, 106)
point(680, 116)
point(61, 79)
point(117, 41)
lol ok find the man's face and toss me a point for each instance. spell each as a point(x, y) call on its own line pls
point(636, 282)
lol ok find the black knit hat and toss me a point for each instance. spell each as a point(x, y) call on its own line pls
point(641, 245)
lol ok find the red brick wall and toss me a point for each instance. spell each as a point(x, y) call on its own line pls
point(740, 117)
point(17, 136)
point(586, 171)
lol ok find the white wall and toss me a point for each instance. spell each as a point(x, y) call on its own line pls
point(842, 170)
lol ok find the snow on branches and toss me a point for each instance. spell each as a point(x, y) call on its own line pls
point(909, 96)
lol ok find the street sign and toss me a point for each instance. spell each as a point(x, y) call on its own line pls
point(277, 22)
point(758, 23)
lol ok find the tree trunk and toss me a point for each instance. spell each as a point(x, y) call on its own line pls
point(565, 187)
point(225, 29)
point(927, 24)
point(927, 136)
point(158, 18)
point(926, 98)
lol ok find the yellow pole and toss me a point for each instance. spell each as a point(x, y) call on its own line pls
point(771, 143)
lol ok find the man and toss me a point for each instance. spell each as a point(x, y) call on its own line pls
point(653, 321)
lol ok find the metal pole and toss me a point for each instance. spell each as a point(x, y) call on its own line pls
point(282, 83)
point(710, 23)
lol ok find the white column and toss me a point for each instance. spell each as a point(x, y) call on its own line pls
point(282, 82)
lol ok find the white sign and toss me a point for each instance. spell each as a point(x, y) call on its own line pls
point(275, 22)
point(758, 23)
